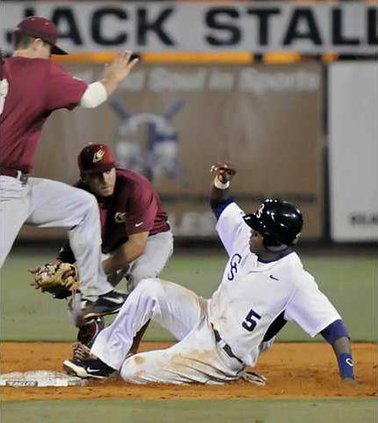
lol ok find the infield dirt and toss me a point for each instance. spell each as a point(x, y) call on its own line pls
point(293, 370)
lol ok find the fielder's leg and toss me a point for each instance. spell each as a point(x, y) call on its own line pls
point(14, 210)
point(55, 204)
point(158, 251)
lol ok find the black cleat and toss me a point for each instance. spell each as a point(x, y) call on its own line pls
point(109, 303)
point(93, 368)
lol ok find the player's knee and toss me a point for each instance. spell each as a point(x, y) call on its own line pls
point(90, 201)
point(151, 287)
point(84, 201)
point(131, 370)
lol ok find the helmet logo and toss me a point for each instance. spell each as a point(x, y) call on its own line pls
point(259, 211)
point(296, 238)
point(98, 155)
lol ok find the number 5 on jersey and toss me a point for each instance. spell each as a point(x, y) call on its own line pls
point(250, 321)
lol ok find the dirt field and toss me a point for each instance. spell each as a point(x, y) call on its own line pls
point(293, 371)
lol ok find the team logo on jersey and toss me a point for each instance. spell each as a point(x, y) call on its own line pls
point(234, 262)
point(98, 155)
point(120, 217)
point(274, 278)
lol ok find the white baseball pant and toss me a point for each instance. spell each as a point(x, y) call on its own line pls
point(46, 204)
point(196, 358)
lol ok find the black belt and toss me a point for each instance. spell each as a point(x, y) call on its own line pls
point(14, 173)
point(226, 348)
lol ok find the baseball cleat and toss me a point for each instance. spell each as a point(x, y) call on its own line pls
point(109, 303)
point(89, 368)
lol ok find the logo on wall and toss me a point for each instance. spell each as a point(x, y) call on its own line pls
point(148, 143)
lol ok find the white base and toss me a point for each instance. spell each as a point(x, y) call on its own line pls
point(39, 379)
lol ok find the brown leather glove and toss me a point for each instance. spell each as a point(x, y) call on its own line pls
point(58, 279)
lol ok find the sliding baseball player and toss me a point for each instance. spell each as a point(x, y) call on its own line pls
point(264, 286)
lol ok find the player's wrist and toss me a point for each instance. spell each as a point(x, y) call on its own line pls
point(110, 84)
point(346, 366)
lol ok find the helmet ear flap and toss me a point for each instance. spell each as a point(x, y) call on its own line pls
point(273, 245)
point(267, 241)
point(270, 241)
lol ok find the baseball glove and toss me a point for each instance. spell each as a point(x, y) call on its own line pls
point(59, 279)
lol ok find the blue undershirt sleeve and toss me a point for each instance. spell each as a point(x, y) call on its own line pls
point(219, 206)
point(334, 331)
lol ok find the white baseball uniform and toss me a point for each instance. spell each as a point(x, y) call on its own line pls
point(220, 336)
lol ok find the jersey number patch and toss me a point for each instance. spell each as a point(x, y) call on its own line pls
point(250, 321)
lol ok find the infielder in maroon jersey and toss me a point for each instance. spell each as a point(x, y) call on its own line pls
point(136, 238)
point(31, 88)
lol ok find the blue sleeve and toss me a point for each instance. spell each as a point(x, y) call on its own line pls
point(219, 206)
point(334, 331)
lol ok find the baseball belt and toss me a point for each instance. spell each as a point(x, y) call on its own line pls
point(226, 348)
point(14, 173)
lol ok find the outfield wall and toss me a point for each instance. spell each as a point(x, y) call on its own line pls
point(353, 146)
point(303, 129)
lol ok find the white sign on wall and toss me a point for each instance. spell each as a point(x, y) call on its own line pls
point(353, 136)
point(183, 26)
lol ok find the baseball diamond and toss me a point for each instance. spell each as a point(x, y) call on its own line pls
point(299, 375)
point(292, 370)
point(188, 211)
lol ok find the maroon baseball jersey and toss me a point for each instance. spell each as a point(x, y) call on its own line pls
point(37, 87)
point(134, 207)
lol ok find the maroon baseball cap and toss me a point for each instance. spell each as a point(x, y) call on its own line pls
point(42, 28)
point(96, 158)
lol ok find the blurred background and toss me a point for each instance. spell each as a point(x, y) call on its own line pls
point(286, 91)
